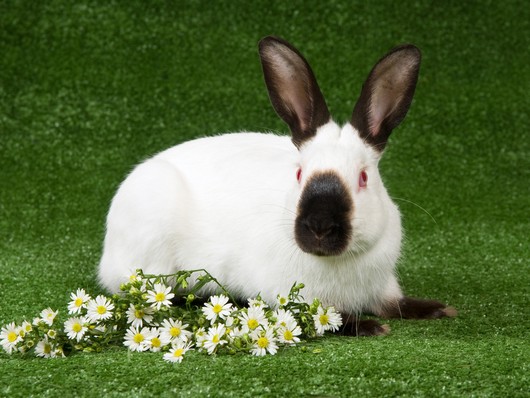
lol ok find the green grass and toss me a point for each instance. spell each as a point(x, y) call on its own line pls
point(89, 88)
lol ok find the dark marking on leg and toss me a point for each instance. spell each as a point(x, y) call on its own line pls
point(413, 308)
point(352, 326)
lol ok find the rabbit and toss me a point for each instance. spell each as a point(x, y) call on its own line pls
point(261, 211)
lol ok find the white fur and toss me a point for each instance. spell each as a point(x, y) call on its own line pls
point(228, 204)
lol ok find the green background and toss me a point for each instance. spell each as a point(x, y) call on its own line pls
point(90, 88)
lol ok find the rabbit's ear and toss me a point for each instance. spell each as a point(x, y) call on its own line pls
point(386, 95)
point(293, 89)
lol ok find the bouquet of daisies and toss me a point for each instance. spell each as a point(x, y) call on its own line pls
point(144, 318)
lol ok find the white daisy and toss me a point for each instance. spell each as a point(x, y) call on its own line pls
point(253, 317)
point(288, 331)
point(200, 337)
point(48, 315)
point(137, 316)
point(75, 328)
point(264, 341)
point(99, 309)
point(283, 317)
point(174, 330)
point(155, 342)
point(235, 332)
point(136, 339)
point(327, 320)
point(10, 337)
point(214, 338)
point(79, 301)
point(160, 296)
point(257, 302)
point(25, 328)
point(282, 300)
point(139, 282)
point(218, 306)
point(45, 349)
point(176, 354)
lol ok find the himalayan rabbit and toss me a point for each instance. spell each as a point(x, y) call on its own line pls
point(263, 211)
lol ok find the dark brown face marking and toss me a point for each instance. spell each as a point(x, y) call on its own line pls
point(323, 225)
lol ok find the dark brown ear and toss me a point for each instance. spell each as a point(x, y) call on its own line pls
point(386, 95)
point(293, 89)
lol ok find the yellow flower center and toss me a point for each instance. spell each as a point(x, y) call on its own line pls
point(138, 338)
point(252, 324)
point(160, 296)
point(263, 342)
point(78, 302)
point(139, 314)
point(11, 337)
point(101, 309)
point(47, 348)
point(155, 342)
point(174, 331)
point(215, 338)
point(178, 352)
point(288, 335)
point(324, 319)
point(217, 308)
point(76, 327)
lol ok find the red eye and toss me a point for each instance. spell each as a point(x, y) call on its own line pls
point(363, 179)
point(299, 174)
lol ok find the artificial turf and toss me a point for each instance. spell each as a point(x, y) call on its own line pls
point(90, 88)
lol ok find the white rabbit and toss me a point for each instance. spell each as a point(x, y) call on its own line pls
point(260, 212)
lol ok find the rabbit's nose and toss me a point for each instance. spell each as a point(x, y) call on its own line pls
point(321, 229)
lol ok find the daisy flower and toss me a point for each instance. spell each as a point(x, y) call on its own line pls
point(10, 337)
point(252, 318)
point(174, 331)
point(139, 282)
point(136, 339)
point(48, 315)
point(75, 328)
point(327, 319)
point(155, 342)
point(214, 338)
point(79, 300)
point(176, 354)
point(282, 300)
point(99, 309)
point(217, 307)
point(137, 316)
point(200, 337)
point(160, 296)
point(264, 341)
point(257, 302)
point(45, 349)
point(288, 332)
point(25, 328)
point(284, 317)
point(235, 333)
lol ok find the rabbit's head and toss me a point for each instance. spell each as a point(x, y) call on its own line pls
point(343, 205)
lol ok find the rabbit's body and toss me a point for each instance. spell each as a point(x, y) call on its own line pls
point(239, 226)
point(261, 212)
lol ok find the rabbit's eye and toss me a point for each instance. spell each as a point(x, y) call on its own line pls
point(299, 174)
point(363, 179)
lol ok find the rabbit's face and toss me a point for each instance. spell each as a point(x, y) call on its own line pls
point(339, 180)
